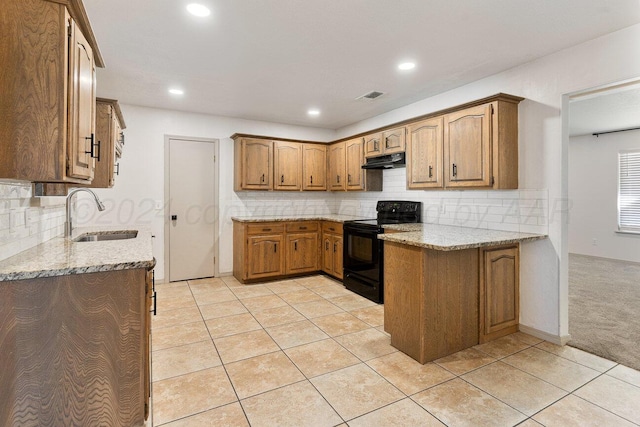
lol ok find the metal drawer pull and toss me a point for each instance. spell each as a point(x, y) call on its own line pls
point(302, 228)
point(266, 229)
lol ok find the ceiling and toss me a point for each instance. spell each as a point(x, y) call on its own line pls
point(272, 60)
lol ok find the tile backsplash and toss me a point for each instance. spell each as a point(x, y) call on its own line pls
point(25, 221)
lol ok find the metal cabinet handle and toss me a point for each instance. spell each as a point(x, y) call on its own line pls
point(349, 178)
point(334, 247)
point(122, 138)
point(262, 179)
point(311, 179)
point(117, 172)
point(332, 229)
point(326, 246)
point(93, 145)
point(281, 179)
point(338, 179)
point(455, 170)
point(430, 171)
point(275, 247)
point(155, 303)
point(295, 246)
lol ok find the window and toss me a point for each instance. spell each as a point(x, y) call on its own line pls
point(629, 191)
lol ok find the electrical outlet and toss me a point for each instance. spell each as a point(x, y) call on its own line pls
point(594, 242)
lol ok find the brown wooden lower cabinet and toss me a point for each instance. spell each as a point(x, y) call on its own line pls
point(441, 302)
point(332, 249)
point(73, 350)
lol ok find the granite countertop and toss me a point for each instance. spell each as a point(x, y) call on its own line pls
point(451, 238)
point(327, 217)
point(60, 256)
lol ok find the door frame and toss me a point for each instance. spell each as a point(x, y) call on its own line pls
point(216, 201)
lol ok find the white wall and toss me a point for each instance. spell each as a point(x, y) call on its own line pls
point(542, 150)
point(593, 193)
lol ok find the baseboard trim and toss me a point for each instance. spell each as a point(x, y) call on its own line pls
point(554, 339)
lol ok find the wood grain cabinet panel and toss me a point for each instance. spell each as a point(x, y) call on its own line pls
point(110, 137)
point(265, 256)
point(424, 154)
point(314, 167)
point(287, 166)
point(73, 350)
point(393, 140)
point(253, 164)
point(373, 145)
point(499, 292)
point(47, 81)
point(302, 253)
point(332, 249)
point(345, 168)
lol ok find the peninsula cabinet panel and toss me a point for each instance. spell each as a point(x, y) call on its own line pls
point(499, 292)
point(314, 167)
point(424, 154)
point(47, 82)
point(73, 350)
point(287, 164)
point(253, 164)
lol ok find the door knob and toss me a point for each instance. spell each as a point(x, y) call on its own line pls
point(174, 217)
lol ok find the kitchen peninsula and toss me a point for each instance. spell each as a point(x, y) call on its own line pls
point(449, 288)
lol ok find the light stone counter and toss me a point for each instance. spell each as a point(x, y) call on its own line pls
point(61, 256)
point(450, 238)
point(327, 217)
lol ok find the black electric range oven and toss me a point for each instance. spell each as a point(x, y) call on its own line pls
point(363, 252)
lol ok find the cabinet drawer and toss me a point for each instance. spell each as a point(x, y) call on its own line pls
point(293, 227)
point(265, 227)
point(332, 227)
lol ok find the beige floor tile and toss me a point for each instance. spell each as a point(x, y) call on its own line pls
point(352, 302)
point(529, 423)
point(284, 286)
point(317, 308)
point(408, 375)
point(339, 324)
point(553, 369)
point(298, 297)
point(264, 302)
point(529, 339)
point(174, 296)
point(626, 374)
point(367, 344)
point(229, 416)
point(503, 347)
point(278, 316)
point(214, 296)
point(244, 346)
point(575, 412)
point(188, 394)
point(518, 389)
point(232, 281)
point(332, 291)
point(262, 373)
point(175, 361)
point(213, 282)
point(458, 403)
point(251, 291)
point(464, 361)
point(295, 334)
point(222, 309)
point(171, 285)
point(176, 316)
point(617, 396)
point(295, 405)
point(403, 413)
point(178, 335)
point(203, 290)
point(356, 390)
point(231, 325)
point(311, 282)
point(576, 355)
point(374, 316)
point(321, 357)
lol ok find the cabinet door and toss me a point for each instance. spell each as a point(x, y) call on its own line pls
point(314, 167)
point(327, 253)
point(372, 145)
point(393, 141)
point(302, 252)
point(355, 160)
point(256, 164)
point(265, 256)
point(337, 181)
point(82, 101)
point(287, 164)
point(467, 147)
point(424, 154)
point(499, 292)
point(337, 257)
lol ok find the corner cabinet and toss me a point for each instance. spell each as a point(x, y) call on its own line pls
point(48, 92)
point(110, 139)
point(475, 146)
point(387, 142)
point(345, 168)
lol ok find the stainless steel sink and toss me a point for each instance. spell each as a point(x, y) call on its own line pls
point(99, 237)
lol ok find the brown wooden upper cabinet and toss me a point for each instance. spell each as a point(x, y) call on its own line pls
point(387, 142)
point(314, 167)
point(337, 168)
point(110, 137)
point(48, 92)
point(287, 166)
point(473, 147)
point(345, 168)
point(253, 164)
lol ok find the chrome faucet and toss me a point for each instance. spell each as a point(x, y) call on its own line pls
point(68, 225)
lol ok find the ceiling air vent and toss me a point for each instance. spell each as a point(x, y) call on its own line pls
point(371, 95)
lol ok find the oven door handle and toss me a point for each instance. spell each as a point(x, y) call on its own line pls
point(359, 229)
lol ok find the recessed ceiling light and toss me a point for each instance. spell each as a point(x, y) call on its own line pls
point(176, 91)
point(198, 9)
point(407, 66)
point(313, 112)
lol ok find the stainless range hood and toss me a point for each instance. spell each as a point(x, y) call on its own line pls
point(385, 162)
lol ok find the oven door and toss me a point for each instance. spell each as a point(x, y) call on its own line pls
point(362, 252)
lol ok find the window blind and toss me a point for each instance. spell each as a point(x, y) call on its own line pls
point(629, 191)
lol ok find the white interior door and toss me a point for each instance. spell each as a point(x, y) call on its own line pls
point(192, 210)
